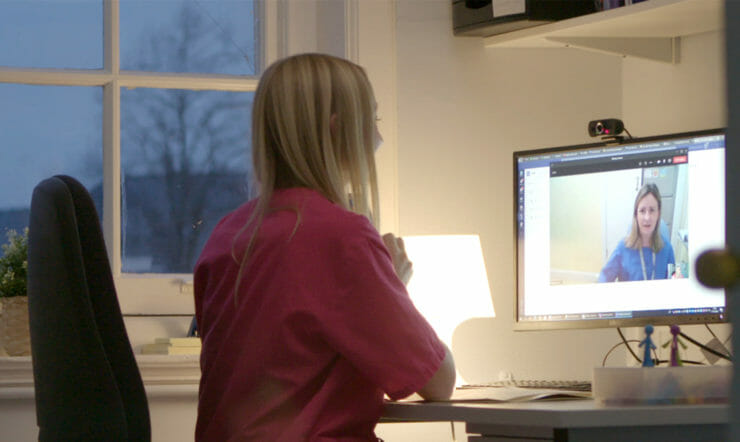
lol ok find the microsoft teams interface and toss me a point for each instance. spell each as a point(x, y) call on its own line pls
point(611, 232)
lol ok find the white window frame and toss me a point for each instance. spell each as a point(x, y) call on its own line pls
point(286, 27)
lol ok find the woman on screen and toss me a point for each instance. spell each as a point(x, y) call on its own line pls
point(644, 254)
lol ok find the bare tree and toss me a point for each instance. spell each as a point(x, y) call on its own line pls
point(184, 152)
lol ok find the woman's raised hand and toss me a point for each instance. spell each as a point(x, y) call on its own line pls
point(402, 265)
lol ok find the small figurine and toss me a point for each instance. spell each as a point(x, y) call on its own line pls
point(647, 361)
point(675, 341)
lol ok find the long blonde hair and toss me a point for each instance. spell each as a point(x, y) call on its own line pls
point(313, 126)
point(633, 239)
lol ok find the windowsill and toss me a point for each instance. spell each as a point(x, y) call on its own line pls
point(163, 376)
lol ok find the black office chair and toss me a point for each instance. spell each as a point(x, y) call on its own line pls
point(87, 383)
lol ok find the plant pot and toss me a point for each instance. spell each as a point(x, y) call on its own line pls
point(15, 337)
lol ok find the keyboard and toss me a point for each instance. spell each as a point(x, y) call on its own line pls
point(537, 383)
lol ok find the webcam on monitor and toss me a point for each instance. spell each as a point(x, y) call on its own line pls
point(605, 127)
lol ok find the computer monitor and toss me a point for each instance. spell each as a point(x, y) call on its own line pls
point(607, 233)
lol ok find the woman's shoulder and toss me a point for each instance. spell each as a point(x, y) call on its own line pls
point(336, 220)
point(667, 247)
point(237, 217)
point(324, 220)
point(622, 245)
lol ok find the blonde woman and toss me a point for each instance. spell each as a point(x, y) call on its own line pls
point(644, 254)
point(301, 305)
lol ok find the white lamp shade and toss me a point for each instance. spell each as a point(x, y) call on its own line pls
point(449, 284)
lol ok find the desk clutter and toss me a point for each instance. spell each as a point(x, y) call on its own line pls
point(675, 384)
point(173, 346)
point(662, 385)
point(551, 384)
point(511, 393)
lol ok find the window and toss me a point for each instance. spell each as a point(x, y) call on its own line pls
point(148, 104)
point(36, 123)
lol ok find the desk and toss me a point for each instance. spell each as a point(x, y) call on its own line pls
point(571, 420)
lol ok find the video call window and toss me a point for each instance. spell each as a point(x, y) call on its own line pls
point(609, 232)
point(594, 222)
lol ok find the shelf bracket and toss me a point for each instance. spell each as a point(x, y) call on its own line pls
point(663, 49)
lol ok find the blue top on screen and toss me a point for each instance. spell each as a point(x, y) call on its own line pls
point(625, 264)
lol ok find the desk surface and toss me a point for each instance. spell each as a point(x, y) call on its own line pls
point(557, 414)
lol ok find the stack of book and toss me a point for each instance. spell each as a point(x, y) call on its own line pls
point(172, 346)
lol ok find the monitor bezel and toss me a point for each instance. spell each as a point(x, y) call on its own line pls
point(686, 319)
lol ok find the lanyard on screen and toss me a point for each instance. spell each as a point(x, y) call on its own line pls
point(642, 261)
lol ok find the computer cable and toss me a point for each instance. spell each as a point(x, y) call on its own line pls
point(717, 344)
point(711, 332)
point(704, 347)
point(624, 341)
point(724, 343)
point(603, 362)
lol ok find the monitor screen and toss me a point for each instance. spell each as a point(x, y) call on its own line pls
point(607, 233)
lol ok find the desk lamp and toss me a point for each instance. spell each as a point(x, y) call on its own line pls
point(449, 284)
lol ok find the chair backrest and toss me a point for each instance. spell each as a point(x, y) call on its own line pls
point(87, 383)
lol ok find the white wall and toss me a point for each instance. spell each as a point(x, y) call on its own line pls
point(664, 98)
point(463, 109)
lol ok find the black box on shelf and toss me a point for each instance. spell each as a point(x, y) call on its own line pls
point(483, 18)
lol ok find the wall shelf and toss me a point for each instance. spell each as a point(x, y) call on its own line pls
point(650, 29)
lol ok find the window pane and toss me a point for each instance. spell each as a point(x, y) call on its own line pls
point(185, 164)
point(202, 36)
point(51, 33)
point(46, 131)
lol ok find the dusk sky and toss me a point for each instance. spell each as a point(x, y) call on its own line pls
point(46, 130)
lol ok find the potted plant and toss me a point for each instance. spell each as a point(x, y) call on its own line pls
point(14, 334)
